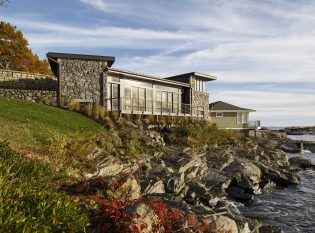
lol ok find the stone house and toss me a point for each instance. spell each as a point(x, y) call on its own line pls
point(231, 117)
point(92, 79)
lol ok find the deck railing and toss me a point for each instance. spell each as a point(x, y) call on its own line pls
point(138, 106)
point(253, 124)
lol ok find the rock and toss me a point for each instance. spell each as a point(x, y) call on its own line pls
point(152, 185)
point(125, 188)
point(270, 229)
point(225, 224)
point(144, 220)
point(176, 185)
point(111, 166)
point(245, 176)
point(301, 162)
point(281, 177)
point(278, 157)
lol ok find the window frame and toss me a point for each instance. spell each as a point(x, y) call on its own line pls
point(219, 114)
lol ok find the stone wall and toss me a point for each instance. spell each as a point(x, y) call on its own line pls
point(28, 86)
point(82, 80)
point(199, 98)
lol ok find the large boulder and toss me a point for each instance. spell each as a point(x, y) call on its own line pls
point(246, 176)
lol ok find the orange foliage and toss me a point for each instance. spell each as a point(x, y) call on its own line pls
point(15, 54)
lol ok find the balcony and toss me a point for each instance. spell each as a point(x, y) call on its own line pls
point(152, 107)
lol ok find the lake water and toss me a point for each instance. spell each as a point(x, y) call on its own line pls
point(292, 208)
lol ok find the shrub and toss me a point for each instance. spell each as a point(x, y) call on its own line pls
point(198, 132)
point(88, 110)
point(28, 203)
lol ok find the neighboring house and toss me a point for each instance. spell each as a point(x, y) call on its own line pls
point(231, 117)
point(89, 78)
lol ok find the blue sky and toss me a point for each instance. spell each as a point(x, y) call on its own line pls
point(262, 52)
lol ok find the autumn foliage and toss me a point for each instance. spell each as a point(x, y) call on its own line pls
point(15, 53)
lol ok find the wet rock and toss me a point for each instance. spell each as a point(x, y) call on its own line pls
point(246, 176)
point(281, 177)
point(302, 163)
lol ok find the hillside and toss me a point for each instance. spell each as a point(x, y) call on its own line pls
point(27, 124)
point(84, 178)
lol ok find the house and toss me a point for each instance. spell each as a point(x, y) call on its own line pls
point(230, 116)
point(92, 79)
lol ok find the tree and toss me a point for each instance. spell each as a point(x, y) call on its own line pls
point(15, 54)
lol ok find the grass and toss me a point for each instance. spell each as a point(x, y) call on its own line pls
point(27, 124)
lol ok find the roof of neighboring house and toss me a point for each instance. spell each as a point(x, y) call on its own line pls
point(205, 77)
point(221, 106)
point(146, 77)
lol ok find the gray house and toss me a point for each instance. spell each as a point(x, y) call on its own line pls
point(89, 78)
point(230, 116)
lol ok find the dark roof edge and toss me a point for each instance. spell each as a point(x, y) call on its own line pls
point(147, 77)
point(205, 76)
point(55, 55)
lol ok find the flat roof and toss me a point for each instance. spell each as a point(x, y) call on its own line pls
point(221, 106)
point(147, 77)
point(197, 74)
point(55, 55)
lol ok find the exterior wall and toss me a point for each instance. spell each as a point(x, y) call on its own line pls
point(28, 86)
point(199, 98)
point(82, 79)
point(227, 121)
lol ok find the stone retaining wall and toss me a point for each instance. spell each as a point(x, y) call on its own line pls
point(28, 86)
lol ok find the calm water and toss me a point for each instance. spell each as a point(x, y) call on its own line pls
point(292, 208)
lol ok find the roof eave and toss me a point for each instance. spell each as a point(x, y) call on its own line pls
point(241, 110)
point(139, 76)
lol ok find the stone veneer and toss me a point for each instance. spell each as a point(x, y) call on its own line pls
point(82, 80)
point(28, 86)
point(199, 98)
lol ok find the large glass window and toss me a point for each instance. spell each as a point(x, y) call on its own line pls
point(175, 102)
point(242, 117)
point(135, 99)
point(128, 98)
point(158, 102)
point(164, 101)
point(142, 99)
point(149, 94)
point(114, 96)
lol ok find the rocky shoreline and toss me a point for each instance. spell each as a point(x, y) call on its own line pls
point(200, 181)
point(299, 130)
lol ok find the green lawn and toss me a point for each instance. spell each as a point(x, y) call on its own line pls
point(28, 124)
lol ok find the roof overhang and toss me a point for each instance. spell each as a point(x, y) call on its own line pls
point(146, 77)
point(109, 59)
point(206, 77)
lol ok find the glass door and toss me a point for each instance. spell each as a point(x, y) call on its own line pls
point(114, 96)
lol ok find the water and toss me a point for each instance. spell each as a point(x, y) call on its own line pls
point(292, 208)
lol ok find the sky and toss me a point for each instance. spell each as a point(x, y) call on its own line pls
point(262, 52)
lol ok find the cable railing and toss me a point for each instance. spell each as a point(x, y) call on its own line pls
point(154, 107)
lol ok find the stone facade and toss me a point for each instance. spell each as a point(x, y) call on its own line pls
point(199, 98)
point(83, 80)
point(28, 86)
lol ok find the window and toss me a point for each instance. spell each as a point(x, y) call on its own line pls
point(135, 99)
point(149, 102)
point(127, 98)
point(219, 114)
point(242, 117)
point(199, 85)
